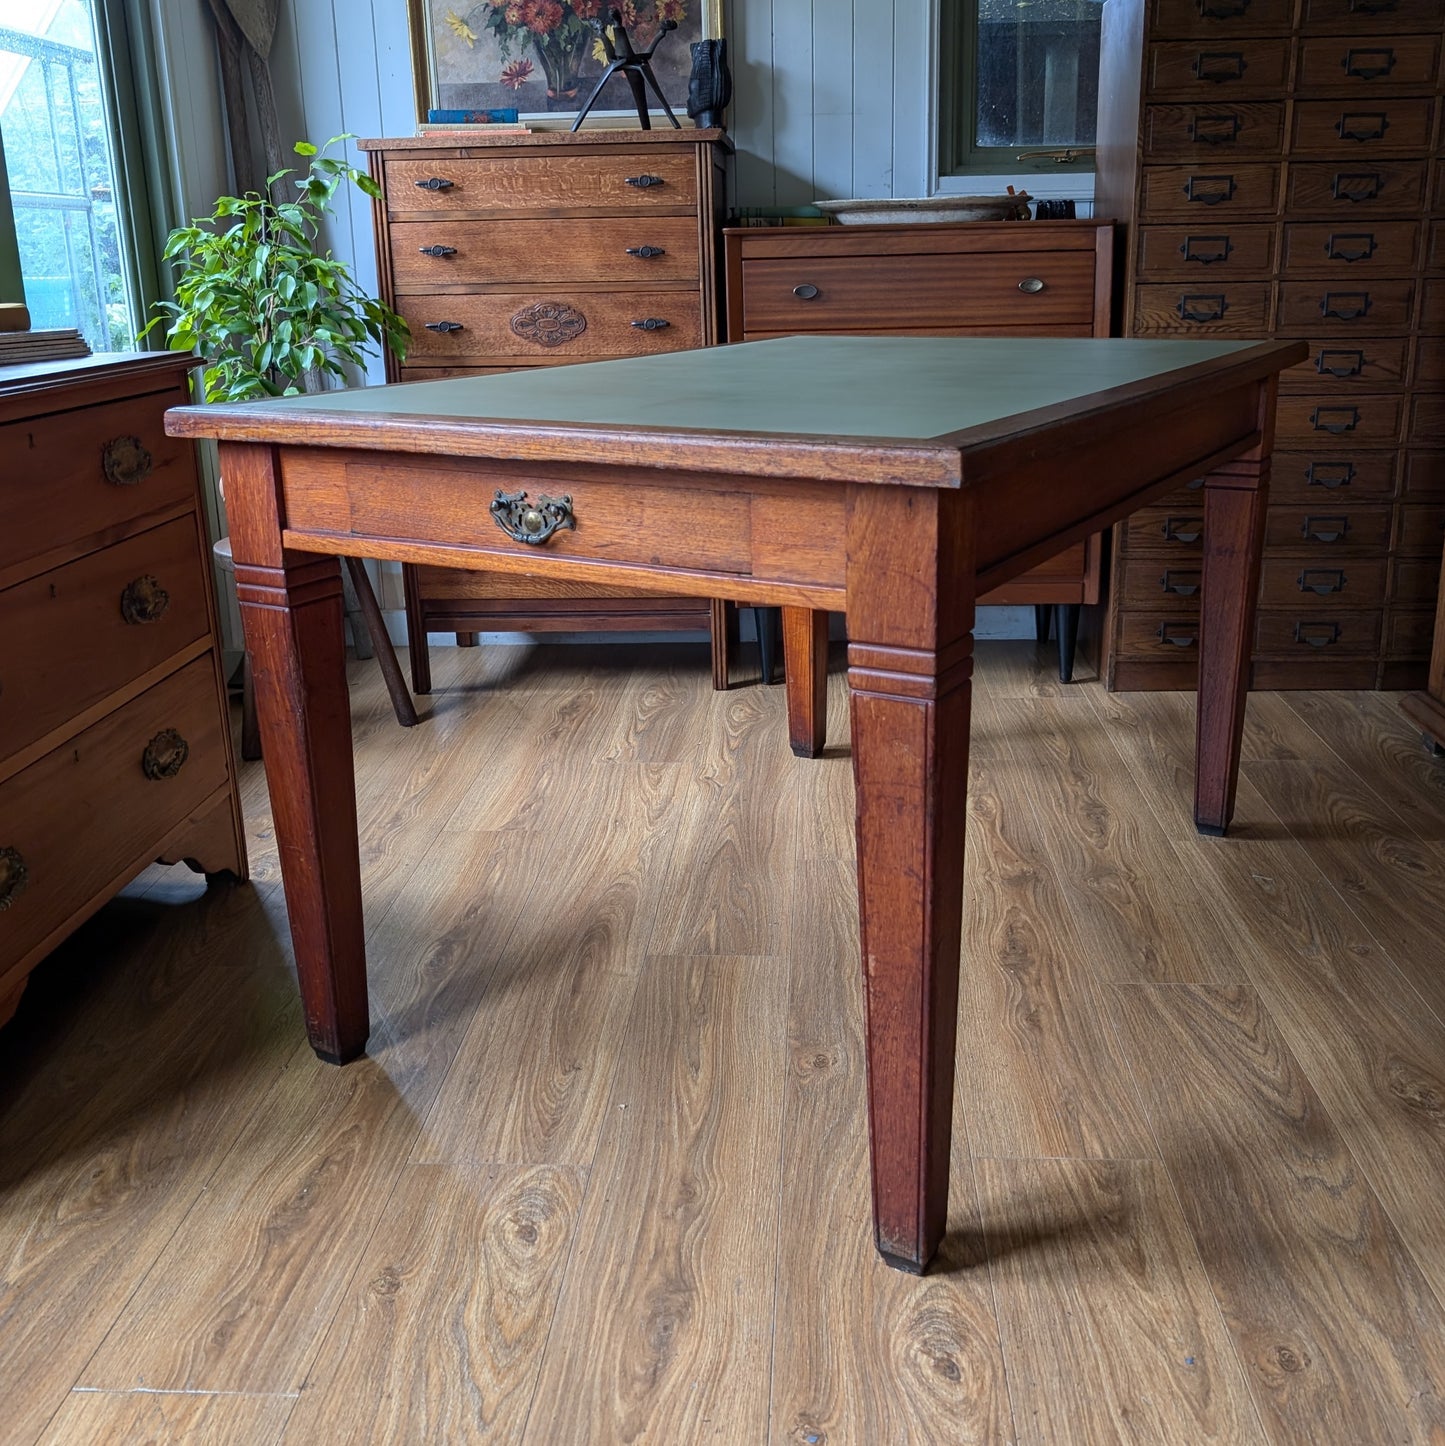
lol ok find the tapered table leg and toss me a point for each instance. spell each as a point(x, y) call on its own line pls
point(805, 672)
point(291, 611)
point(910, 660)
point(1234, 515)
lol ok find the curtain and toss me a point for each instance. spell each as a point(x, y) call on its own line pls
point(244, 31)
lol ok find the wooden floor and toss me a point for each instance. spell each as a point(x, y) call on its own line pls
point(602, 1176)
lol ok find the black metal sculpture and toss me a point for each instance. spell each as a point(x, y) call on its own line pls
point(634, 65)
point(710, 86)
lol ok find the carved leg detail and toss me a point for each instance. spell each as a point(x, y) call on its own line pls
point(805, 675)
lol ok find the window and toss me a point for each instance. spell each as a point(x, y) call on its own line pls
point(1018, 76)
point(60, 199)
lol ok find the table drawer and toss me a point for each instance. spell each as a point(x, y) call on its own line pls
point(1415, 581)
point(1313, 307)
point(1321, 480)
point(97, 805)
point(1368, 65)
point(70, 475)
point(1383, 127)
point(1298, 632)
point(1349, 189)
point(1339, 364)
point(603, 248)
point(620, 182)
point(1351, 249)
point(1291, 582)
point(1327, 529)
point(1213, 18)
point(919, 292)
point(1364, 17)
point(1216, 67)
point(1239, 309)
point(1225, 129)
point(1207, 194)
point(552, 324)
point(1356, 421)
point(1422, 529)
point(72, 635)
point(1205, 250)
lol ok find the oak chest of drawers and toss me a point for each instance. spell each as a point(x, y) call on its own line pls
point(1279, 165)
point(115, 746)
point(515, 250)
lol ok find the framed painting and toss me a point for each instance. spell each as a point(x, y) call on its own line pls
point(543, 57)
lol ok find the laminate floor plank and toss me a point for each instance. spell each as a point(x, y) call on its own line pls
point(665, 1325)
point(1339, 1331)
point(1110, 1329)
point(442, 1333)
point(158, 1418)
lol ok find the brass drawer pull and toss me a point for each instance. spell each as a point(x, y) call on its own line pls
point(531, 522)
point(1345, 305)
point(644, 183)
point(1032, 285)
point(165, 755)
point(125, 462)
point(1373, 7)
point(1217, 189)
point(1350, 245)
point(1353, 367)
point(1195, 484)
point(1206, 250)
point(806, 292)
point(1381, 62)
point(652, 323)
point(1317, 635)
point(437, 250)
point(1171, 633)
point(1326, 529)
point(1187, 530)
point(1182, 584)
point(1362, 125)
point(1329, 474)
point(1222, 9)
point(144, 600)
point(1335, 420)
point(646, 252)
point(434, 183)
point(1203, 307)
point(1357, 185)
point(13, 876)
point(1215, 130)
point(1219, 66)
point(444, 326)
point(1322, 580)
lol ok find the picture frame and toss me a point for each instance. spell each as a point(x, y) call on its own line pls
point(533, 56)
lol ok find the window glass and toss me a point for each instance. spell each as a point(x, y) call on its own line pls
point(58, 150)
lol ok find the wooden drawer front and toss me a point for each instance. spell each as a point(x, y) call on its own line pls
point(1205, 251)
point(1339, 364)
point(1213, 18)
point(86, 811)
point(57, 482)
point(1351, 65)
point(1292, 582)
point(1207, 195)
point(1409, 634)
point(1358, 421)
point(1427, 419)
point(1152, 582)
point(1167, 636)
point(72, 635)
point(1437, 193)
point(1301, 631)
point(1424, 474)
point(1354, 191)
point(1385, 127)
point(1351, 250)
point(1363, 17)
point(1422, 529)
point(1430, 361)
point(1215, 68)
point(515, 253)
point(1435, 258)
point(510, 185)
point(1415, 580)
point(548, 325)
point(1167, 532)
point(1432, 312)
point(1226, 130)
point(918, 293)
point(1238, 309)
point(1366, 307)
point(1327, 529)
point(1322, 481)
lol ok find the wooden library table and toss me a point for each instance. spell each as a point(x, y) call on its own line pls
point(891, 478)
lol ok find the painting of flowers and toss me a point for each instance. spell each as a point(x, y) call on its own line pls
point(543, 57)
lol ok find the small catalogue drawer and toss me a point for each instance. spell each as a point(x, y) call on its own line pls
point(1211, 18)
point(1330, 528)
point(1355, 248)
point(1238, 309)
point(1313, 307)
point(1287, 582)
point(1316, 421)
point(1296, 632)
point(1205, 250)
point(1226, 129)
point(1370, 16)
point(1409, 634)
point(1415, 581)
point(1312, 477)
point(1349, 188)
point(1382, 127)
point(1342, 364)
point(1208, 192)
point(1422, 529)
point(1213, 67)
point(1367, 65)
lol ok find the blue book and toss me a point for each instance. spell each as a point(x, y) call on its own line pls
point(505, 115)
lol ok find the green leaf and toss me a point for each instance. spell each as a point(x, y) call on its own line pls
point(304, 148)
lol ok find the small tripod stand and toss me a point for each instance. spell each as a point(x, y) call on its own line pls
point(636, 66)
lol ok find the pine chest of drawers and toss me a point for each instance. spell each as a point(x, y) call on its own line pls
point(511, 251)
point(115, 743)
point(1278, 163)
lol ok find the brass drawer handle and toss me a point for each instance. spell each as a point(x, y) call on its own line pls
point(1032, 285)
point(531, 522)
point(644, 182)
point(437, 250)
point(1335, 420)
point(1222, 9)
point(1219, 66)
point(1219, 188)
point(1190, 308)
point(1215, 130)
point(1383, 62)
point(1357, 185)
point(1326, 529)
point(435, 183)
point(651, 323)
point(1206, 250)
point(1345, 305)
point(444, 326)
point(1322, 580)
point(646, 252)
point(1329, 474)
point(165, 755)
point(1317, 635)
point(1168, 633)
point(1353, 367)
point(1350, 245)
point(13, 876)
point(1187, 530)
point(1373, 7)
point(1362, 125)
point(144, 600)
point(125, 462)
point(806, 292)
point(1182, 584)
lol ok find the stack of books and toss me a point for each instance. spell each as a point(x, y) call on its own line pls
point(468, 122)
point(780, 216)
point(57, 344)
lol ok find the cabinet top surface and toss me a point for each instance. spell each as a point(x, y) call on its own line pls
point(835, 394)
point(80, 369)
point(474, 140)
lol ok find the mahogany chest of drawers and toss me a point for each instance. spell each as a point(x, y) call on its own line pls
point(115, 745)
point(530, 250)
point(1278, 163)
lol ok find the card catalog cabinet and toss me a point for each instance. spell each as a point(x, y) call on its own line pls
point(1278, 163)
point(115, 743)
point(512, 250)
